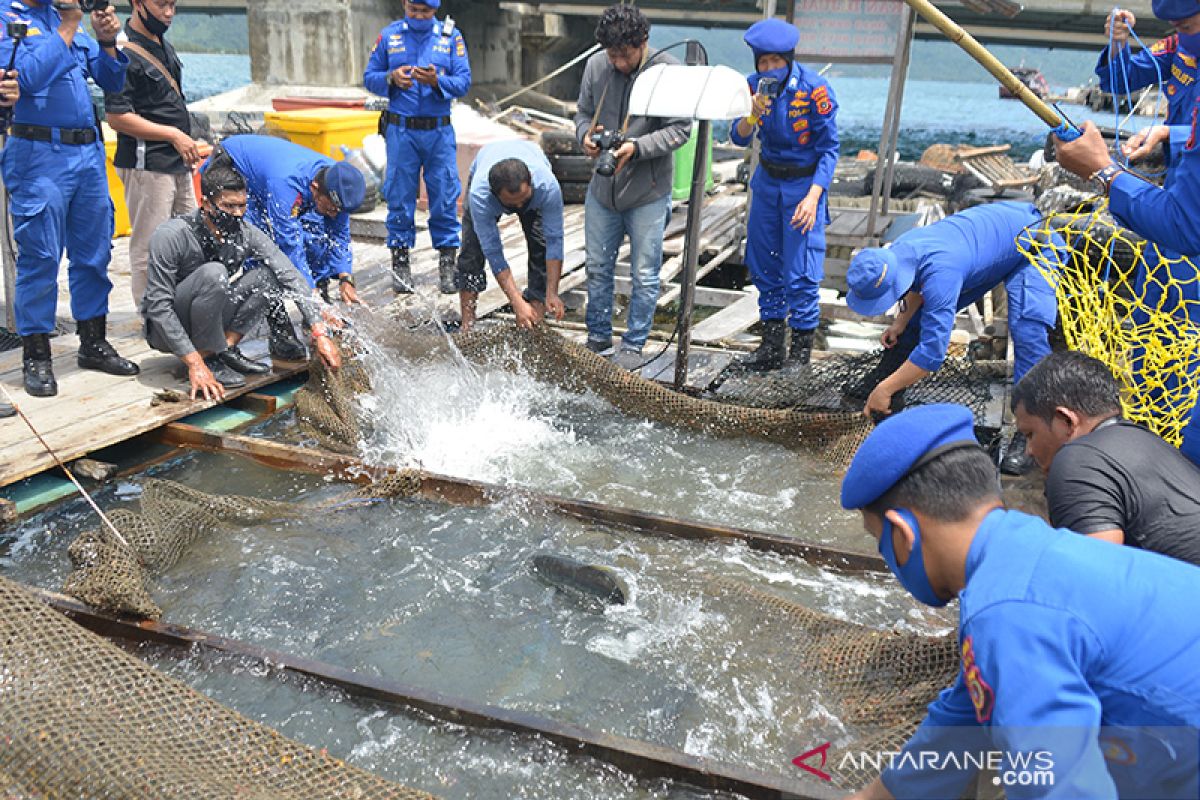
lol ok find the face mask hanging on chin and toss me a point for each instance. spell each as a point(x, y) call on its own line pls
point(912, 575)
point(153, 24)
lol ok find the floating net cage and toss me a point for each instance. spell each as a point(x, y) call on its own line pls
point(79, 712)
point(1130, 304)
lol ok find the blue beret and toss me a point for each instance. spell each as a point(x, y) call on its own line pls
point(772, 36)
point(346, 186)
point(898, 443)
point(1171, 10)
point(878, 279)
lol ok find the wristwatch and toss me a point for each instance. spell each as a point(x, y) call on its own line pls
point(346, 277)
point(1103, 177)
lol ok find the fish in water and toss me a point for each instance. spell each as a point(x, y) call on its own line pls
point(578, 578)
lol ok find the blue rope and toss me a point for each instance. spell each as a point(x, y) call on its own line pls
point(1116, 86)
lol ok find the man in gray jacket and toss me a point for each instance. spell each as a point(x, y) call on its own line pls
point(635, 198)
point(195, 308)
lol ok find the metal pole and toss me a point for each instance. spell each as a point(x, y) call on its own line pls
point(7, 257)
point(691, 250)
point(896, 101)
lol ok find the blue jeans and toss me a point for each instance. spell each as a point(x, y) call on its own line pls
point(604, 230)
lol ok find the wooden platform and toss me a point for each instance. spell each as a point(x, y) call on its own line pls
point(93, 410)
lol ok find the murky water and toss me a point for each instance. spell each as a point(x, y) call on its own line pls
point(443, 597)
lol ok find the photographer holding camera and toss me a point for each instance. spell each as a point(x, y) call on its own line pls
point(630, 193)
point(794, 116)
point(53, 166)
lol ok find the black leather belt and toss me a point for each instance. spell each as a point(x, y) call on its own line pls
point(783, 172)
point(417, 123)
point(39, 133)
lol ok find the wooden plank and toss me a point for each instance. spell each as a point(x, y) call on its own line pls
point(729, 320)
point(720, 258)
point(643, 759)
point(465, 492)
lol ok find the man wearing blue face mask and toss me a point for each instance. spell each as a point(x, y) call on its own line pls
point(1059, 633)
point(420, 64)
point(794, 118)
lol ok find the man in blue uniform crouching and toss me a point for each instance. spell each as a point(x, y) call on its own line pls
point(1080, 660)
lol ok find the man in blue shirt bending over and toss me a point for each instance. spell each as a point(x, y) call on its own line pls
point(1080, 659)
point(512, 178)
point(303, 201)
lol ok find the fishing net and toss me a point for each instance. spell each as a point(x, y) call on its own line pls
point(876, 680)
point(1130, 304)
point(843, 382)
point(326, 407)
point(83, 718)
point(113, 576)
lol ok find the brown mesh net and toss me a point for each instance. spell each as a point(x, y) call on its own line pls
point(873, 678)
point(326, 407)
point(82, 718)
point(110, 576)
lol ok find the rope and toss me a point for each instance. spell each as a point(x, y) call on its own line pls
point(585, 54)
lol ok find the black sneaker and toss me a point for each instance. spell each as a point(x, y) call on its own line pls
point(224, 375)
point(1016, 461)
point(237, 360)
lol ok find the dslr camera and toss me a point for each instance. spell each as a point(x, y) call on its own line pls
point(608, 142)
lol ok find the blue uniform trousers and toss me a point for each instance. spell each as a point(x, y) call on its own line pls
point(787, 266)
point(408, 153)
point(59, 201)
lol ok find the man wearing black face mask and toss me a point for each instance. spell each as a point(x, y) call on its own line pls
point(155, 150)
point(195, 308)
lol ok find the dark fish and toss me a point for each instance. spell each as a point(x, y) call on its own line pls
point(579, 578)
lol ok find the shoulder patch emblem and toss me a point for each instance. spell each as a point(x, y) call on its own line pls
point(298, 206)
point(982, 696)
point(1167, 45)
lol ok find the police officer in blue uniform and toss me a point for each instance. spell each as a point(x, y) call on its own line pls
point(795, 115)
point(53, 167)
point(420, 64)
point(10, 92)
point(937, 271)
point(303, 201)
point(1165, 61)
point(1060, 634)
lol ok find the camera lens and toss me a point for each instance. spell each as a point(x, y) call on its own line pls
point(606, 164)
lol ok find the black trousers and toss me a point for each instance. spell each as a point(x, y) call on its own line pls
point(471, 275)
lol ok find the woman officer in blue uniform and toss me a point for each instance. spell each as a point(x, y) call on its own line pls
point(795, 117)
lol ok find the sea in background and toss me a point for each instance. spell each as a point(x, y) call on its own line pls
point(948, 97)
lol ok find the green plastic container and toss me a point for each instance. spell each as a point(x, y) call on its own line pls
point(681, 188)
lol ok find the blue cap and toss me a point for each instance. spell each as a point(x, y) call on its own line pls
point(1171, 10)
point(877, 280)
point(898, 445)
point(430, 3)
point(772, 36)
point(346, 186)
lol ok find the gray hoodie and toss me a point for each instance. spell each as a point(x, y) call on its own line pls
point(647, 177)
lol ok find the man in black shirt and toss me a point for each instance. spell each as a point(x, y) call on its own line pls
point(1105, 476)
point(155, 150)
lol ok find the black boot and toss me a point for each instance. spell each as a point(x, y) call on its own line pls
point(1016, 460)
point(402, 282)
point(96, 353)
point(39, 372)
point(447, 267)
point(800, 352)
point(284, 344)
point(771, 350)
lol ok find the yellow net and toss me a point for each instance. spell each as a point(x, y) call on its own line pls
point(1130, 304)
